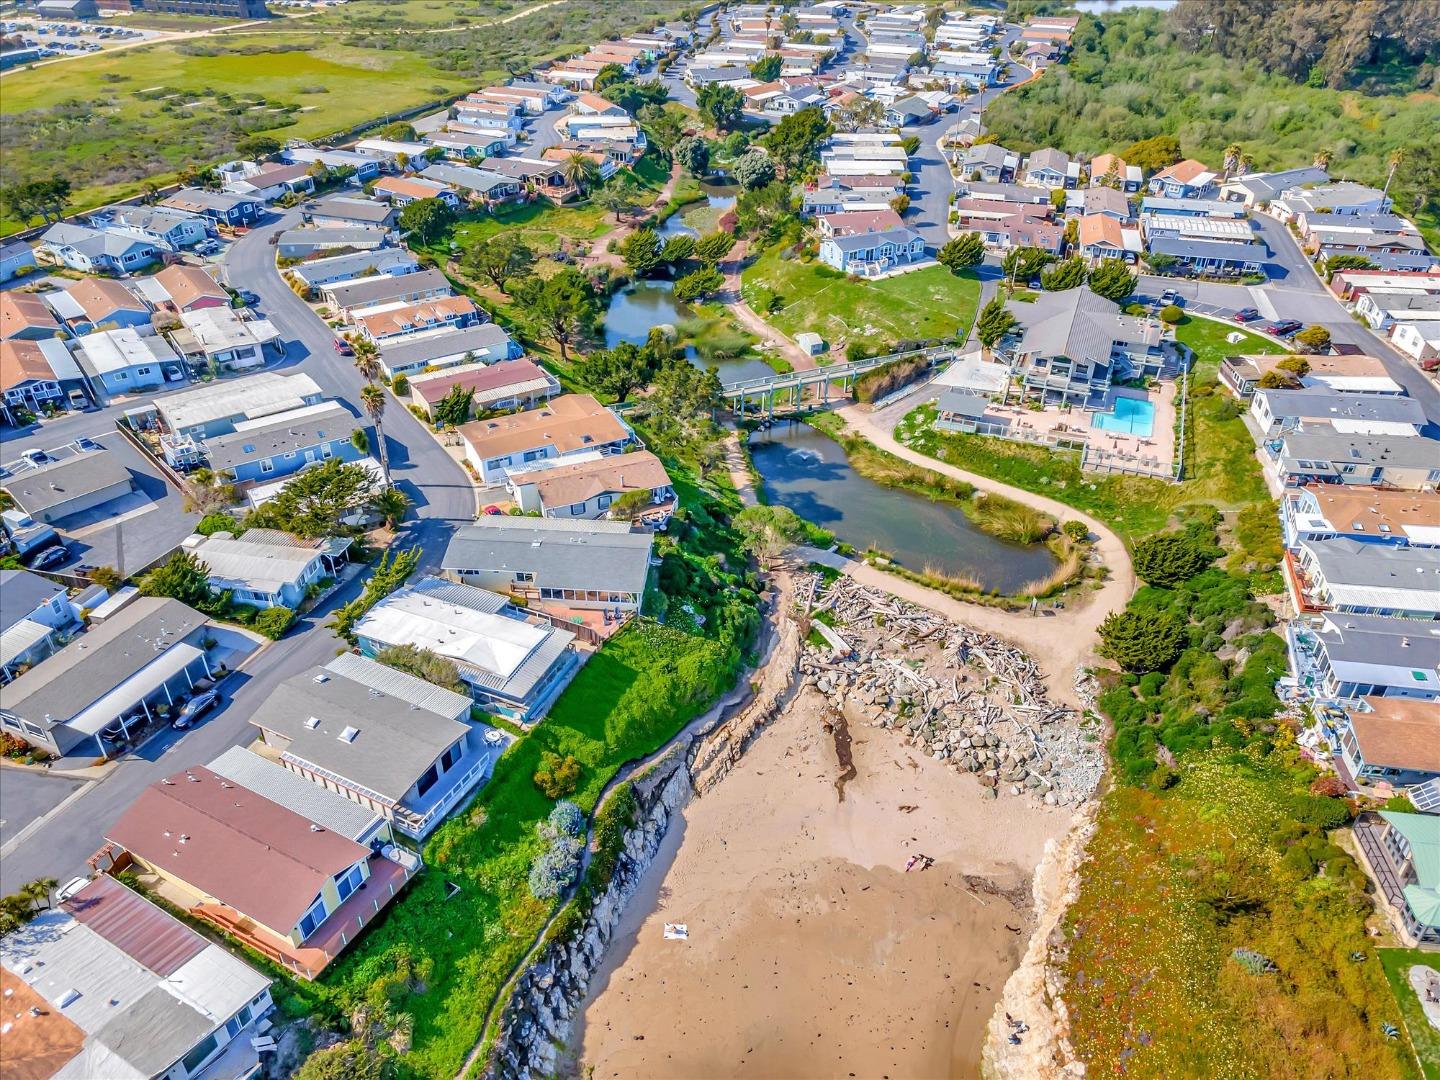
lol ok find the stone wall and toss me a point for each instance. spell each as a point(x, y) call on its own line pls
point(537, 1022)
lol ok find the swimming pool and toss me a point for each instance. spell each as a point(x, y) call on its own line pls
point(1133, 416)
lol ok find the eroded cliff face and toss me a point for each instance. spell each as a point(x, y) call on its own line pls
point(538, 1021)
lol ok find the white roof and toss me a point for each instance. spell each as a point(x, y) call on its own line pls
point(23, 635)
point(304, 412)
point(142, 684)
point(118, 350)
point(391, 146)
point(971, 372)
point(492, 642)
point(217, 329)
point(254, 395)
point(237, 562)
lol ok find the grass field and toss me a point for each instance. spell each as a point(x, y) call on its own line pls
point(115, 121)
point(929, 303)
point(1423, 1036)
point(1220, 465)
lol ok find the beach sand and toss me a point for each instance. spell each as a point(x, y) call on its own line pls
point(812, 953)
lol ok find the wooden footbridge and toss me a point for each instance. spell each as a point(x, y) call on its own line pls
point(763, 395)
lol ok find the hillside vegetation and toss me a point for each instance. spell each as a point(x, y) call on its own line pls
point(1137, 75)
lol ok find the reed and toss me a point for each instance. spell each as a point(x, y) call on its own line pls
point(1010, 520)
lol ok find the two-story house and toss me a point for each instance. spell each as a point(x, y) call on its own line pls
point(163, 226)
point(1070, 346)
point(416, 753)
point(1368, 515)
point(1349, 576)
point(224, 208)
point(1188, 179)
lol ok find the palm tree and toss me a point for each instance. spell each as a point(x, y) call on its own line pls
point(37, 892)
point(1323, 157)
point(581, 171)
point(372, 400)
point(1232, 158)
point(367, 358)
point(391, 504)
point(1247, 162)
point(1397, 158)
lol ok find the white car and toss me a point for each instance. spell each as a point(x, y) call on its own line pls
point(207, 247)
point(70, 888)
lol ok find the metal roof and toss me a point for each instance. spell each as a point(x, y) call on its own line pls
point(604, 556)
point(407, 350)
point(294, 792)
point(375, 290)
point(135, 926)
point(261, 394)
point(239, 562)
point(123, 645)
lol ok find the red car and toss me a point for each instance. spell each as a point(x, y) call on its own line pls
point(343, 347)
point(1248, 314)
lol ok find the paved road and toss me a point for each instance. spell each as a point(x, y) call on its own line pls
point(442, 498)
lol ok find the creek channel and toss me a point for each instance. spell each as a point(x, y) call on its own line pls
point(811, 474)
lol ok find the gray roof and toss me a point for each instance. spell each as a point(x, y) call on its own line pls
point(1191, 207)
point(1403, 260)
point(281, 434)
point(1377, 640)
point(397, 741)
point(462, 176)
point(520, 168)
point(1104, 200)
point(1381, 566)
point(340, 266)
point(1265, 186)
point(121, 646)
point(1341, 193)
point(1399, 451)
point(1385, 223)
point(599, 555)
point(388, 287)
point(1230, 250)
point(963, 403)
point(60, 482)
point(1048, 158)
point(339, 235)
point(155, 1032)
point(981, 189)
point(21, 592)
point(863, 241)
point(292, 791)
point(1323, 403)
point(154, 218)
point(987, 154)
point(93, 242)
point(399, 684)
point(405, 352)
point(911, 106)
point(366, 210)
point(1079, 324)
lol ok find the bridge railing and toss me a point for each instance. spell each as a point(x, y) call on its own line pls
point(830, 373)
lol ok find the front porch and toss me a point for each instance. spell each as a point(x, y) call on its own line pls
point(334, 935)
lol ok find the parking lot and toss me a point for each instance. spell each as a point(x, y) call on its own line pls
point(60, 39)
point(130, 532)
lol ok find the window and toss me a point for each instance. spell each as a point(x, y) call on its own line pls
point(524, 576)
point(348, 882)
point(604, 501)
point(327, 451)
point(313, 918)
point(143, 371)
point(427, 781)
point(450, 757)
point(267, 466)
point(199, 1054)
point(577, 509)
point(535, 455)
point(237, 1023)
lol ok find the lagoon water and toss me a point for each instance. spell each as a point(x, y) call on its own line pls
point(809, 473)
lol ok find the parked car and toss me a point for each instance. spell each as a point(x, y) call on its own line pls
point(70, 888)
point(249, 297)
point(343, 347)
point(195, 708)
point(87, 443)
point(1170, 296)
point(35, 457)
point(49, 557)
point(207, 247)
point(1245, 315)
point(1284, 328)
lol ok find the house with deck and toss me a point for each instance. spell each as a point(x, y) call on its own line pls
point(873, 254)
point(1402, 852)
point(96, 251)
point(270, 877)
point(589, 485)
point(415, 753)
point(225, 208)
point(1188, 179)
point(583, 564)
point(570, 424)
point(1364, 514)
point(510, 666)
point(506, 384)
point(266, 567)
point(1350, 576)
point(1342, 658)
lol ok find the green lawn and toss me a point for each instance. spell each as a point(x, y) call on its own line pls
point(929, 303)
point(1221, 469)
point(119, 119)
point(632, 695)
point(1423, 1036)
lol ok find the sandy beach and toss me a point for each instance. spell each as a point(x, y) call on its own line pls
point(811, 951)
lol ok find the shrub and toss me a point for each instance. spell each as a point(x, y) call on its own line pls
point(218, 521)
point(1141, 640)
point(1077, 531)
point(567, 818)
point(1171, 314)
point(274, 621)
point(555, 870)
point(1328, 787)
point(1170, 558)
point(557, 777)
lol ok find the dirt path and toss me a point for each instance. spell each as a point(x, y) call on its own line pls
point(600, 253)
point(747, 317)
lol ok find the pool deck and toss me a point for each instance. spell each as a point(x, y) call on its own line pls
point(1158, 446)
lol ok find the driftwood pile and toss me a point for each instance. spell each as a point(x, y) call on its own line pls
point(963, 696)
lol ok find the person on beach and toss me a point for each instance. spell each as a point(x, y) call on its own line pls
point(911, 864)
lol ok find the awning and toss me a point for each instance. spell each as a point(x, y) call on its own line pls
point(135, 689)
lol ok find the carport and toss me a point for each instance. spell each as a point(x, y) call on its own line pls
point(140, 689)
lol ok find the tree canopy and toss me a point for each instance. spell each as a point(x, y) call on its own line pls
point(427, 219)
point(1142, 640)
point(721, 105)
point(794, 143)
point(315, 500)
point(962, 252)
